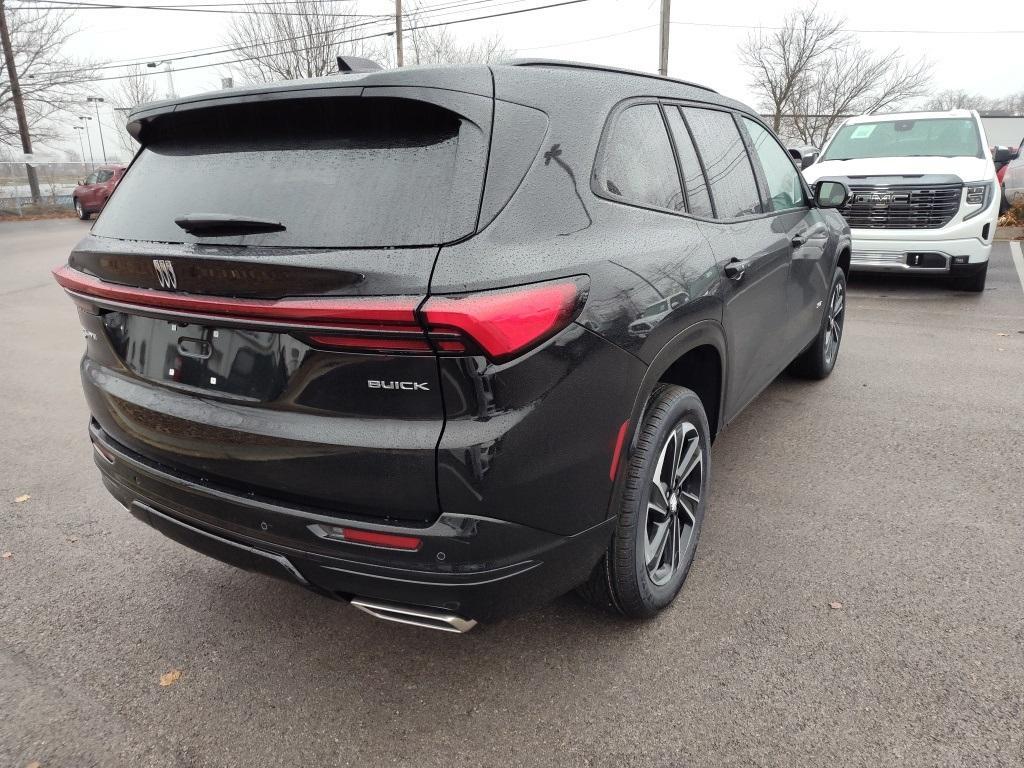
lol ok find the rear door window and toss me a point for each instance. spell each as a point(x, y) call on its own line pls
point(698, 199)
point(726, 162)
point(344, 172)
point(635, 163)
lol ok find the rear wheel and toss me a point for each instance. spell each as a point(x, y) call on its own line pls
point(974, 282)
point(818, 360)
point(82, 213)
point(662, 509)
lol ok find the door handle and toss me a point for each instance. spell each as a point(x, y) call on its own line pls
point(800, 238)
point(736, 267)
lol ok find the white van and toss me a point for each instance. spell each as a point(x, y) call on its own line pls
point(924, 196)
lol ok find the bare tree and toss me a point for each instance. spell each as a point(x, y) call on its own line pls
point(811, 72)
point(779, 60)
point(52, 82)
point(300, 40)
point(437, 45)
point(1010, 105)
point(851, 81)
point(134, 89)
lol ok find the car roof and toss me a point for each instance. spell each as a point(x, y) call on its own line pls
point(472, 78)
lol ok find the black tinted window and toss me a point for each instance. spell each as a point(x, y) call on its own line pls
point(347, 172)
point(102, 176)
point(636, 163)
point(726, 162)
point(697, 198)
point(783, 179)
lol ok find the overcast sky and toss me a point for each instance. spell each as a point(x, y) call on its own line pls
point(704, 37)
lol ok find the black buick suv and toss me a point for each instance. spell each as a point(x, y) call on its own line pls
point(448, 342)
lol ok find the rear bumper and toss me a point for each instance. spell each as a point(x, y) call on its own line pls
point(475, 567)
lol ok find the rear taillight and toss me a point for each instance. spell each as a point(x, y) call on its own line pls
point(500, 324)
point(507, 322)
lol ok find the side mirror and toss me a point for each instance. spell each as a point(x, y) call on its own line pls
point(829, 193)
point(1002, 155)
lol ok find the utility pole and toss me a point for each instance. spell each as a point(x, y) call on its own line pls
point(81, 141)
point(85, 122)
point(19, 104)
point(665, 15)
point(99, 123)
point(398, 30)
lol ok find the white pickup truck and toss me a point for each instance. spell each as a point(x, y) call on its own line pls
point(924, 196)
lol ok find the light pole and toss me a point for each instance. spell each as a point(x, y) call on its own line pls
point(81, 141)
point(85, 125)
point(99, 123)
point(170, 75)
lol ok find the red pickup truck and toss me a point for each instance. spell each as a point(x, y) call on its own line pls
point(91, 195)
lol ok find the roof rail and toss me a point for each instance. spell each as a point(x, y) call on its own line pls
point(602, 68)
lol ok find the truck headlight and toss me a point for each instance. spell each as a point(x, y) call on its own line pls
point(980, 194)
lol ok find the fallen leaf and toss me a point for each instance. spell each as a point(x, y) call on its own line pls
point(170, 678)
point(1001, 349)
point(34, 764)
point(72, 539)
point(835, 606)
point(1002, 334)
point(24, 497)
point(7, 555)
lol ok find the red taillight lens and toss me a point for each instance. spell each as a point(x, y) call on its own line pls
point(501, 323)
point(376, 538)
point(507, 322)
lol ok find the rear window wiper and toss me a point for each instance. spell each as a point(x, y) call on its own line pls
point(224, 225)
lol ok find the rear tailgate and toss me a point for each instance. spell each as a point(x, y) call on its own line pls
point(288, 364)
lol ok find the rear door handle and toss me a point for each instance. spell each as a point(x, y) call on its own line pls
point(800, 238)
point(736, 267)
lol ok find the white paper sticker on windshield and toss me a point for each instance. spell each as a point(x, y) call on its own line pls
point(863, 131)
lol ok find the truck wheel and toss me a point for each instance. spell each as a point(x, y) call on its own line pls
point(818, 360)
point(662, 509)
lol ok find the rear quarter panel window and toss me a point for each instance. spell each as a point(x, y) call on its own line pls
point(725, 161)
point(635, 162)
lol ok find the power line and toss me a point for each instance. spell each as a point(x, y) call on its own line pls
point(78, 5)
point(865, 31)
point(589, 39)
point(432, 13)
point(353, 40)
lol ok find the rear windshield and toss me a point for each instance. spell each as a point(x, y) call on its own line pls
point(934, 137)
point(341, 172)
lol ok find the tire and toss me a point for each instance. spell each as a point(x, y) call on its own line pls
point(974, 283)
point(637, 577)
point(818, 360)
point(82, 213)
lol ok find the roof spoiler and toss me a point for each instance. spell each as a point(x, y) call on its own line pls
point(349, 65)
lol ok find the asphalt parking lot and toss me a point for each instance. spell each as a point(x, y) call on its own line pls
point(894, 488)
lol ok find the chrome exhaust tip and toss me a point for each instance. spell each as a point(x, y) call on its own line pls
point(415, 616)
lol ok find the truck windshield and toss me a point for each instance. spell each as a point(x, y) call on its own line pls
point(931, 137)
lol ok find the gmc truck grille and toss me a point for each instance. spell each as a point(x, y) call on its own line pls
point(901, 206)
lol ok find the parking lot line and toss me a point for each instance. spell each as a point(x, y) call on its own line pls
point(1017, 254)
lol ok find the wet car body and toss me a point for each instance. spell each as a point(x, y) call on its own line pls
point(394, 458)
